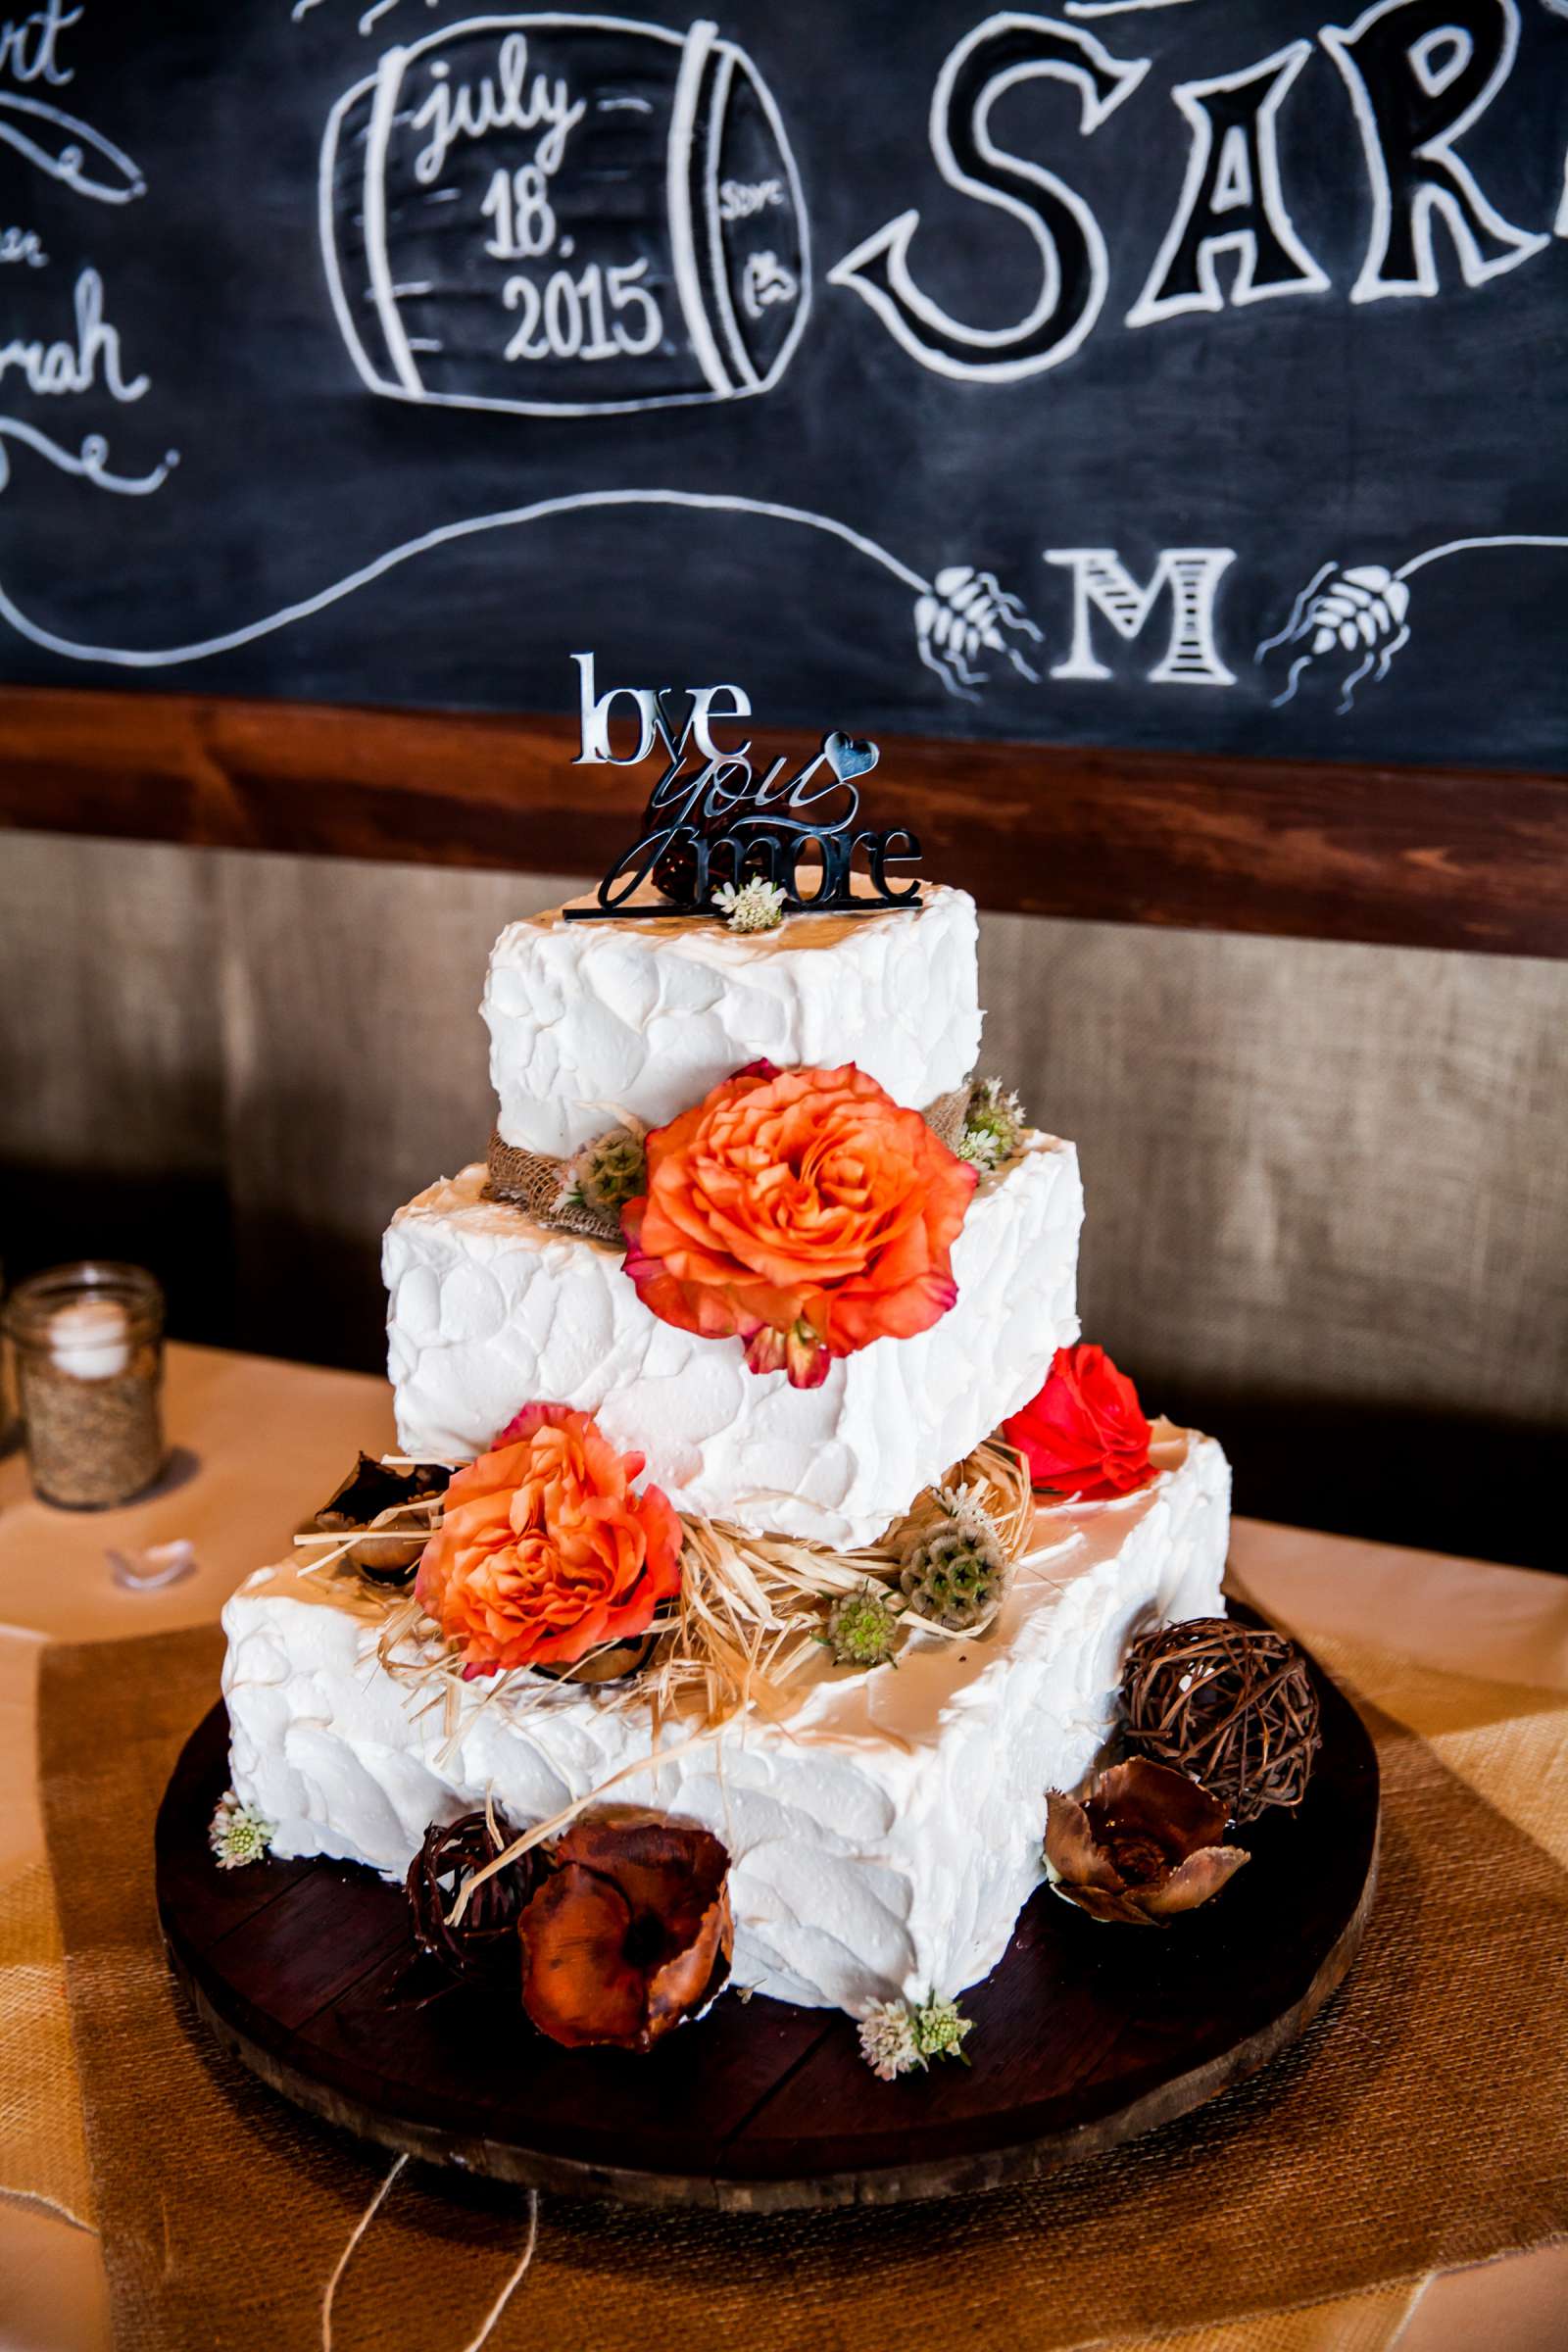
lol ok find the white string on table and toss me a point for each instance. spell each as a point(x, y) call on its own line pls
point(518, 2274)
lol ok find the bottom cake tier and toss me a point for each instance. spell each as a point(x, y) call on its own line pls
point(884, 1835)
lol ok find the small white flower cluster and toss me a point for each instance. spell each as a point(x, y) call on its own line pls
point(979, 1149)
point(237, 1833)
point(992, 1126)
point(895, 2039)
point(887, 2039)
point(757, 905)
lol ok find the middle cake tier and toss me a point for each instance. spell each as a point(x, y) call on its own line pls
point(489, 1311)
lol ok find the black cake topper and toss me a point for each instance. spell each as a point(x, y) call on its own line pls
point(720, 821)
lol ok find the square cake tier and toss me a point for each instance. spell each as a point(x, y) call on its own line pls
point(884, 1834)
point(489, 1311)
point(589, 1019)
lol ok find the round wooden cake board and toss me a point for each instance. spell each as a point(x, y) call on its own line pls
point(1083, 2035)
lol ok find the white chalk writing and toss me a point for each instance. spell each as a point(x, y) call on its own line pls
point(70, 151)
point(618, 240)
point(575, 322)
point(1419, 75)
point(739, 199)
point(90, 464)
point(518, 204)
point(29, 45)
point(66, 365)
point(765, 280)
point(23, 245)
point(1000, 54)
point(1231, 201)
point(1414, 168)
point(505, 100)
point(43, 134)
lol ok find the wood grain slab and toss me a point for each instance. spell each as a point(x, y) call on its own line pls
point(1084, 2035)
point(1405, 856)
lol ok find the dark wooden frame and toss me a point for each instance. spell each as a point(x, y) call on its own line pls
point(1410, 857)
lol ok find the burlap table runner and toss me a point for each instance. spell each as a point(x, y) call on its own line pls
point(1423, 2123)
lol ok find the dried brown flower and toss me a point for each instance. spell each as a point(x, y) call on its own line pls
point(630, 1933)
point(1142, 1844)
point(373, 1496)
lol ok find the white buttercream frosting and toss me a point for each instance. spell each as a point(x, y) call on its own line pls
point(489, 1312)
point(884, 1836)
point(588, 1019)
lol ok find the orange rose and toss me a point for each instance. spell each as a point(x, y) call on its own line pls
point(801, 1210)
point(544, 1551)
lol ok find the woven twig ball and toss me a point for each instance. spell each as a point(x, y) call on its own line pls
point(487, 1935)
point(1230, 1706)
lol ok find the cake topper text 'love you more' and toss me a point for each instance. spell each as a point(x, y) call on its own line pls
point(711, 818)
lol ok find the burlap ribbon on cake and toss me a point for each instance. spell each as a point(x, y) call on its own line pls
point(536, 1183)
point(1421, 2123)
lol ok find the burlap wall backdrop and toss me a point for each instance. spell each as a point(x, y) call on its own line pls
point(1325, 1177)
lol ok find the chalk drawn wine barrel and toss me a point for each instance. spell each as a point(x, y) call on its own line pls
point(563, 215)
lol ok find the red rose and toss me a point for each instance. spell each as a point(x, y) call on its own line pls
point(1085, 1434)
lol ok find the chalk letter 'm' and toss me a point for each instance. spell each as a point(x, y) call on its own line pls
point(1101, 583)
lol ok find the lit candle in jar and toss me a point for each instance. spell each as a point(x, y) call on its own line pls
point(88, 1343)
point(90, 1338)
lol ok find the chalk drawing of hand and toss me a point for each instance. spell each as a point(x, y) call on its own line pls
point(1360, 612)
point(962, 615)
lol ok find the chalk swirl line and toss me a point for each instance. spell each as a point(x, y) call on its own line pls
point(90, 464)
point(61, 144)
point(445, 535)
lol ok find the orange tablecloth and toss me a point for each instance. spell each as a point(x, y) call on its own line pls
point(1472, 1656)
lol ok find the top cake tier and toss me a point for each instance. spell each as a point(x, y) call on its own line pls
point(589, 1019)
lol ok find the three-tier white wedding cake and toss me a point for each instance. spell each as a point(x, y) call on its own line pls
point(883, 1822)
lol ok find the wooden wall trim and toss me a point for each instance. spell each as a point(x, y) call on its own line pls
point(1404, 857)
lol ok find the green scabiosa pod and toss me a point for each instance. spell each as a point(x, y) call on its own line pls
point(954, 1572)
point(608, 1172)
point(862, 1628)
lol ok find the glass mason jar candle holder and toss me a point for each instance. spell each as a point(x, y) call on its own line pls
point(90, 1356)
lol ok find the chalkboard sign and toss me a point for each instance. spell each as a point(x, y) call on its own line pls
point(1181, 373)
